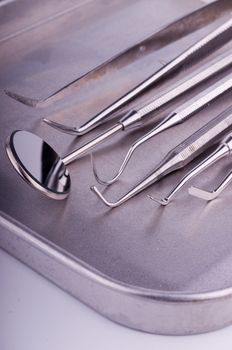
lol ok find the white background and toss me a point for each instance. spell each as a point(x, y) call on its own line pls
point(36, 315)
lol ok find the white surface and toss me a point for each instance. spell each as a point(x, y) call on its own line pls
point(35, 314)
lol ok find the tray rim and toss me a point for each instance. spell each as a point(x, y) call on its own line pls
point(168, 303)
point(149, 310)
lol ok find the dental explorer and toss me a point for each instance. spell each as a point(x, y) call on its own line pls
point(45, 170)
point(180, 156)
point(178, 116)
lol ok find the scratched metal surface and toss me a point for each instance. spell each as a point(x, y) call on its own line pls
point(186, 247)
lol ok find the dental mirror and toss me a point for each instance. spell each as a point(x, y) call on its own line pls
point(38, 164)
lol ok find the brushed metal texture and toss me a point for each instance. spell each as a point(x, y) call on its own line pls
point(160, 270)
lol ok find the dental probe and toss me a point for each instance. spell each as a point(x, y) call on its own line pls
point(179, 115)
point(180, 156)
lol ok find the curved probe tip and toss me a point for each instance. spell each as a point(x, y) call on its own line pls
point(119, 172)
point(99, 180)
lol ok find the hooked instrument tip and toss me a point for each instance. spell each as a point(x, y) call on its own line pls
point(99, 194)
point(162, 201)
point(95, 173)
point(119, 172)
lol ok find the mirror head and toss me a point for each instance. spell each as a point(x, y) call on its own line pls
point(38, 164)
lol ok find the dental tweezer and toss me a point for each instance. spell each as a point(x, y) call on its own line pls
point(180, 156)
point(138, 117)
point(224, 149)
point(220, 35)
point(181, 114)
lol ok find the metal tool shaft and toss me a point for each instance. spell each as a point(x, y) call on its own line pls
point(186, 110)
point(209, 70)
point(196, 78)
point(200, 47)
point(69, 158)
point(168, 68)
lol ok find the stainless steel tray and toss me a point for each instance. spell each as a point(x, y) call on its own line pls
point(160, 270)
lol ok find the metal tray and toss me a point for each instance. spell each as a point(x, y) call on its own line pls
point(160, 270)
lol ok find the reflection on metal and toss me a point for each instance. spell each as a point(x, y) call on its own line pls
point(38, 164)
point(39, 22)
point(171, 33)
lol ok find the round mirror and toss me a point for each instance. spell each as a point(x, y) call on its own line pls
point(38, 164)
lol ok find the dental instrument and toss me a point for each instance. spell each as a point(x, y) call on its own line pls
point(224, 149)
point(41, 166)
point(180, 156)
point(179, 115)
point(221, 35)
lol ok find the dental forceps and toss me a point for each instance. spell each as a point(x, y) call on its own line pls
point(224, 149)
point(222, 35)
point(180, 156)
point(136, 118)
point(178, 116)
point(210, 195)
